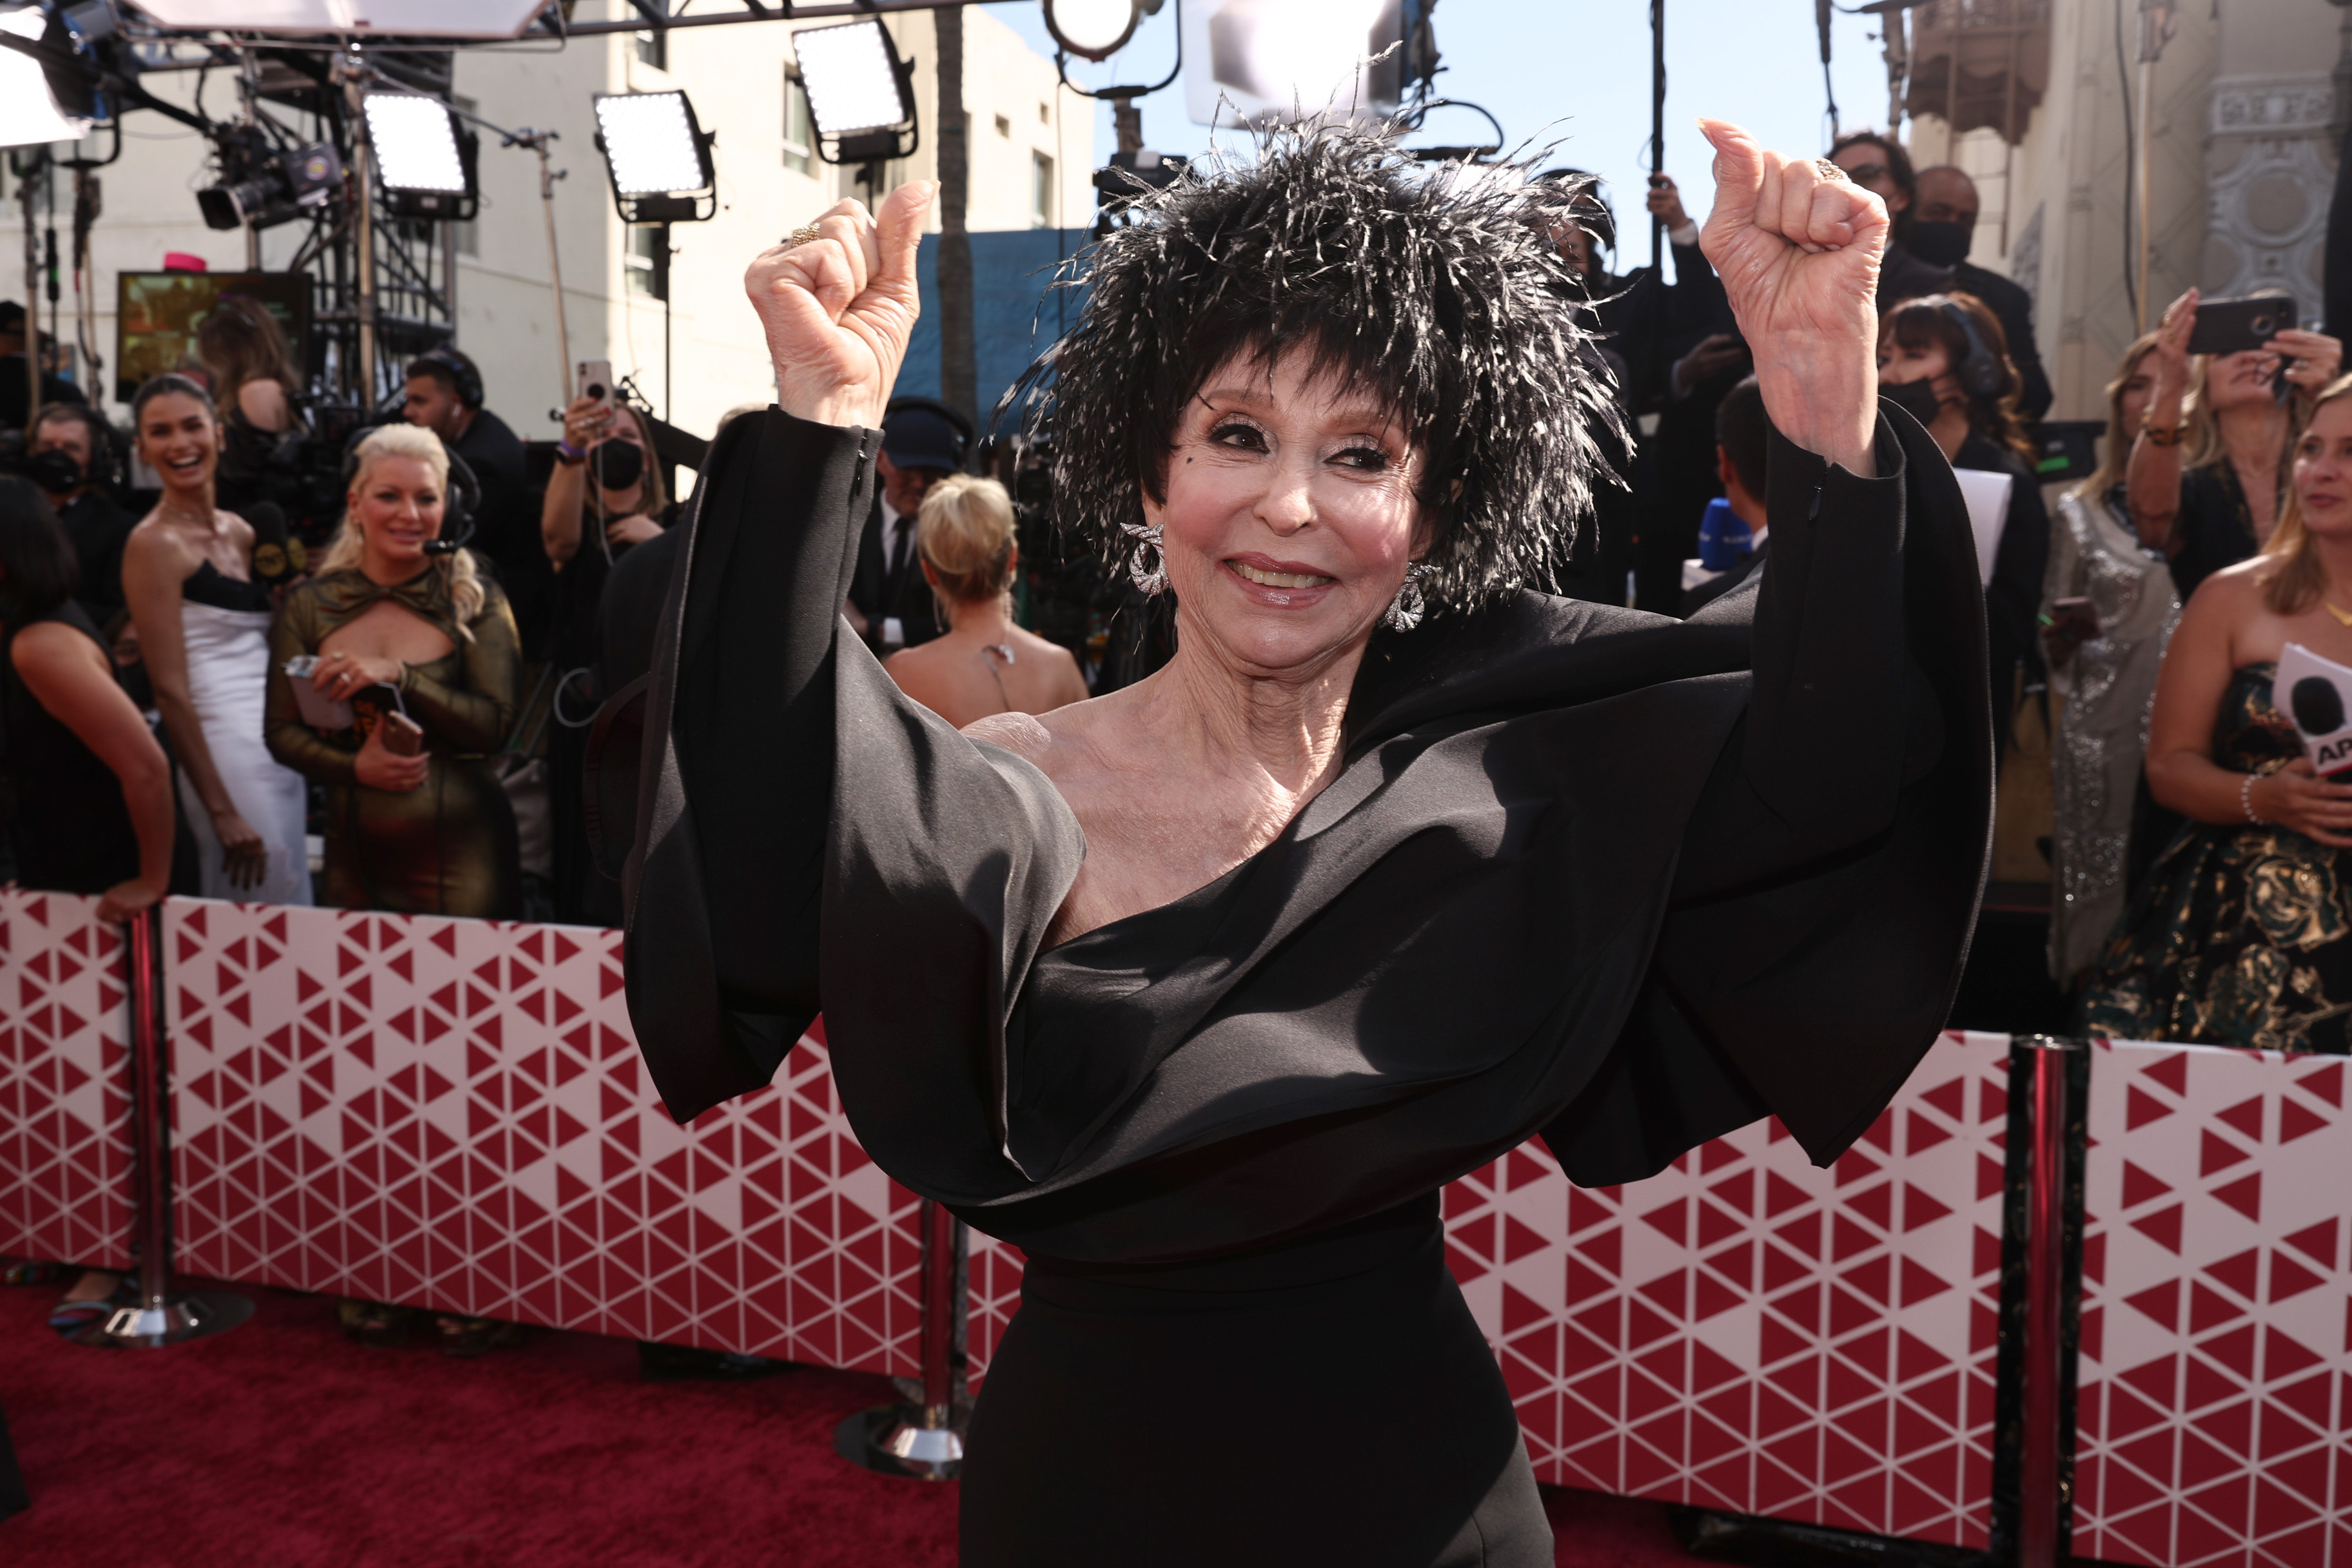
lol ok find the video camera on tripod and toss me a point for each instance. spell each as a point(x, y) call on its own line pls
point(263, 185)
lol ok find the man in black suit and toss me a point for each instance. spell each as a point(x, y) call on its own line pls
point(445, 396)
point(1742, 437)
point(923, 441)
point(1943, 223)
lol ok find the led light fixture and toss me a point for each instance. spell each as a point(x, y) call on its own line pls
point(424, 158)
point(29, 114)
point(1095, 30)
point(860, 94)
point(402, 18)
point(659, 155)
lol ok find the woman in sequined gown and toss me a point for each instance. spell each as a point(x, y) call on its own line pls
point(2241, 934)
point(2104, 658)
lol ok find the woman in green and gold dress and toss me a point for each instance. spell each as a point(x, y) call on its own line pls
point(398, 632)
point(2242, 933)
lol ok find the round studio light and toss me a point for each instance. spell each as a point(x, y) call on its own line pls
point(1093, 29)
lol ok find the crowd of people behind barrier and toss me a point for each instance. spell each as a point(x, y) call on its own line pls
point(198, 697)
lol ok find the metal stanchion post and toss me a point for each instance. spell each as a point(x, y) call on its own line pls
point(924, 1442)
point(158, 1318)
point(2040, 1459)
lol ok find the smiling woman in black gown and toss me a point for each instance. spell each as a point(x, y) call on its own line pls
point(1198, 992)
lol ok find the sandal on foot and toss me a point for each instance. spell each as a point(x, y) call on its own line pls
point(375, 1323)
point(466, 1338)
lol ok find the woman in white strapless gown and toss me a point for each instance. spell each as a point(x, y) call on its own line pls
point(203, 633)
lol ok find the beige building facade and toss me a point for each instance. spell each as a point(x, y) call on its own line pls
point(2244, 115)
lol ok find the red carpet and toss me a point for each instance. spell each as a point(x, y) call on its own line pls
point(281, 1444)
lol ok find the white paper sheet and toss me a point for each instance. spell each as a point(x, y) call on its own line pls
point(1987, 494)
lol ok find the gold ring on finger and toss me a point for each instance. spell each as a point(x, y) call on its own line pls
point(1827, 170)
point(802, 235)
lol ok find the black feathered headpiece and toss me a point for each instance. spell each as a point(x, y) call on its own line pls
point(1438, 285)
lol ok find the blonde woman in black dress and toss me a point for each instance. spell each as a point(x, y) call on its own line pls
point(1395, 866)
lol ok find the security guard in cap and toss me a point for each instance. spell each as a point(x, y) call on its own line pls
point(923, 441)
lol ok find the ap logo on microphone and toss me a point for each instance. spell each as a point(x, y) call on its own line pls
point(2317, 694)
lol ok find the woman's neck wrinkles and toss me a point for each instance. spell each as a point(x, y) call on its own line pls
point(1286, 729)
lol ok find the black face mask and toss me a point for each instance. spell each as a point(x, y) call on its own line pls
point(1941, 244)
point(54, 472)
point(1916, 398)
point(618, 464)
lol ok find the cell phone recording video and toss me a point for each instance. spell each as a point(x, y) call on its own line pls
point(596, 380)
point(2234, 326)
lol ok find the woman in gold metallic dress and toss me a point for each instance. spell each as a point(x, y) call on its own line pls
point(405, 637)
point(2241, 934)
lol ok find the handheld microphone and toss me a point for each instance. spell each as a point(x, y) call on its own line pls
point(2318, 694)
point(2318, 707)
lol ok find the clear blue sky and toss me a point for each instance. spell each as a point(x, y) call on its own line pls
point(1578, 70)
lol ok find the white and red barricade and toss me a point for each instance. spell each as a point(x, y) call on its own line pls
point(65, 1083)
point(452, 1114)
point(2215, 1379)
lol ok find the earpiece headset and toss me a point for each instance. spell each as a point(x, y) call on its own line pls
point(1979, 373)
point(106, 443)
point(467, 379)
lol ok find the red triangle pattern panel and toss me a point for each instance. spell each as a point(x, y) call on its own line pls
point(453, 1114)
point(2216, 1305)
point(1744, 1331)
point(65, 1083)
point(1747, 1332)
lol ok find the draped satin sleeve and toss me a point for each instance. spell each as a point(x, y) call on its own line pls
point(1621, 882)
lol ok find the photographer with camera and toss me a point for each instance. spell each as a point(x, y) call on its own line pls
point(604, 499)
point(69, 458)
point(445, 396)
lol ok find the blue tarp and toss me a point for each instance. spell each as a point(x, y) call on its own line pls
point(1013, 318)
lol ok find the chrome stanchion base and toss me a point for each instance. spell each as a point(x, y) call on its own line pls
point(167, 1320)
point(898, 1440)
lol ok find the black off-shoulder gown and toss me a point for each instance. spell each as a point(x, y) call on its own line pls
point(1584, 876)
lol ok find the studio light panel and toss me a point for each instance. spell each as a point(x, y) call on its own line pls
point(415, 144)
point(650, 142)
point(29, 116)
point(852, 84)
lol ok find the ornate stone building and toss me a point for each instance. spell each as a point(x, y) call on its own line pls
point(2235, 126)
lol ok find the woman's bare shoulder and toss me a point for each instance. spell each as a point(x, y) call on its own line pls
point(1022, 734)
point(156, 545)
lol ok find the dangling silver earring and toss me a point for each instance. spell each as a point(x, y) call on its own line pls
point(1148, 566)
point(1404, 611)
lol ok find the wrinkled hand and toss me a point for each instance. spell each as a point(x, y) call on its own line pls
point(635, 528)
point(1797, 252)
point(123, 900)
point(2296, 798)
point(2312, 359)
point(244, 855)
point(378, 767)
point(340, 674)
point(838, 310)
